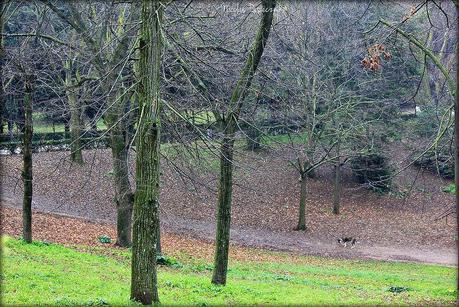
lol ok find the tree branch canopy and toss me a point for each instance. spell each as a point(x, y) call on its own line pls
point(428, 52)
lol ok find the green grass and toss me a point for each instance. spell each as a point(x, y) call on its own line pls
point(279, 140)
point(51, 274)
point(41, 127)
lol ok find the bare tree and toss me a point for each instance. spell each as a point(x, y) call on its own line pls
point(227, 147)
point(27, 174)
point(109, 64)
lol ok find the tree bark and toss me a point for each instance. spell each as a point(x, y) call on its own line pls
point(303, 197)
point(75, 116)
point(158, 240)
point(124, 198)
point(225, 191)
point(227, 146)
point(27, 175)
point(146, 203)
point(119, 143)
point(76, 154)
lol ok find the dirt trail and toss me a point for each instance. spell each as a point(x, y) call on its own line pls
point(297, 242)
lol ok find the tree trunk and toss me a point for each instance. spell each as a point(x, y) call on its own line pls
point(146, 203)
point(120, 140)
point(227, 146)
point(27, 175)
point(66, 129)
point(337, 186)
point(75, 116)
point(158, 240)
point(224, 210)
point(75, 131)
point(303, 196)
point(109, 69)
point(123, 195)
point(337, 189)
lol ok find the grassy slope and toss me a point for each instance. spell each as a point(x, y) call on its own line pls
point(52, 274)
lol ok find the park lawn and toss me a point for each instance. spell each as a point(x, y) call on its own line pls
point(41, 273)
point(282, 139)
point(42, 127)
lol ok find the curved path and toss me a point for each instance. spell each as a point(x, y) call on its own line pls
point(297, 242)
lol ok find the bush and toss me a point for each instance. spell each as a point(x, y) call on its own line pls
point(450, 189)
point(441, 163)
point(105, 239)
point(372, 170)
point(167, 261)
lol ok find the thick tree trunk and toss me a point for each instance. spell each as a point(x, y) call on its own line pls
point(27, 175)
point(303, 197)
point(146, 203)
point(227, 146)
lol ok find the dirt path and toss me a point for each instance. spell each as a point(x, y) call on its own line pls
point(297, 242)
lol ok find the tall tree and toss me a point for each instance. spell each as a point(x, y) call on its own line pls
point(27, 175)
point(109, 63)
point(146, 201)
point(225, 188)
point(71, 89)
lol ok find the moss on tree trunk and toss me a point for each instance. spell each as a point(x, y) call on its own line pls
point(146, 202)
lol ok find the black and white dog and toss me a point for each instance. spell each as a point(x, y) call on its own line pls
point(347, 240)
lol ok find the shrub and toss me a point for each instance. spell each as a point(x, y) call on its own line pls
point(372, 170)
point(441, 163)
point(105, 239)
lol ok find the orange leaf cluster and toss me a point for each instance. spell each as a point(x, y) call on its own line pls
point(373, 60)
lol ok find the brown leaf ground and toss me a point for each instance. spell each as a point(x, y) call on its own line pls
point(80, 233)
point(264, 208)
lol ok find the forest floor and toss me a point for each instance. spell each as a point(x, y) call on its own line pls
point(400, 226)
